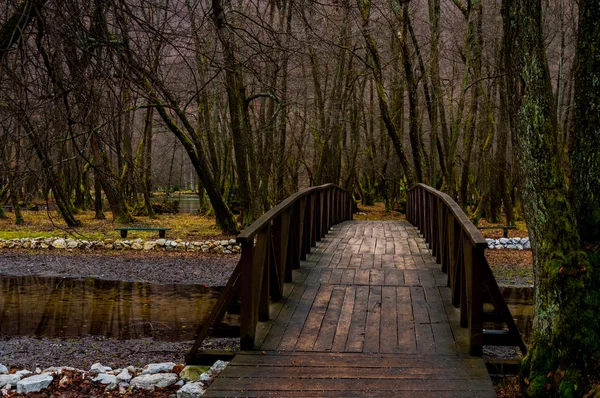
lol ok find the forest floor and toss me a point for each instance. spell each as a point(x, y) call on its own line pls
point(510, 267)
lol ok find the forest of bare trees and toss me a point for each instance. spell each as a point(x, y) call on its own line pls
point(252, 100)
point(494, 102)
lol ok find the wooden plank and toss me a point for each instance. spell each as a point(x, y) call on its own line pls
point(411, 278)
point(444, 340)
point(329, 325)
point(399, 262)
point(388, 340)
point(368, 245)
point(377, 277)
point(343, 326)
point(362, 277)
point(345, 359)
point(358, 393)
point(336, 275)
point(368, 260)
point(348, 276)
point(356, 334)
point(393, 277)
point(352, 372)
point(390, 247)
point(420, 307)
point(424, 337)
point(296, 323)
point(387, 261)
point(326, 385)
point(273, 338)
point(372, 327)
point(311, 328)
point(435, 305)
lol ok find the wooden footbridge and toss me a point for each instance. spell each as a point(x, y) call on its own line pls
point(335, 307)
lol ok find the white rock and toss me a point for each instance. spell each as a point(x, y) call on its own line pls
point(519, 247)
point(3, 369)
point(218, 367)
point(124, 375)
point(34, 383)
point(71, 243)
point(527, 245)
point(38, 371)
point(180, 383)
point(57, 370)
point(498, 247)
point(106, 378)
point(491, 246)
point(224, 242)
point(525, 240)
point(205, 377)
point(99, 368)
point(516, 240)
point(161, 242)
point(149, 245)
point(153, 368)
point(150, 381)
point(504, 241)
point(191, 390)
point(24, 373)
point(511, 246)
point(59, 244)
point(488, 240)
point(136, 246)
point(232, 241)
point(10, 380)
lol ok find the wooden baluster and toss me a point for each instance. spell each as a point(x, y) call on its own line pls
point(278, 256)
point(456, 277)
point(314, 209)
point(247, 305)
point(300, 226)
point(441, 236)
point(261, 271)
point(474, 288)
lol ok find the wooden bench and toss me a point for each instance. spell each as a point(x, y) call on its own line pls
point(162, 232)
point(505, 228)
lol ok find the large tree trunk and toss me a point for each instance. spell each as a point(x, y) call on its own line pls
point(585, 130)
point(565, 332)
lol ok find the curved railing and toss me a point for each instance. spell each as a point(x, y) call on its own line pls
point(276, 243)
point(271, 247)
point(459, 247)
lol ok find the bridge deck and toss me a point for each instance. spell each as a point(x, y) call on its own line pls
point(368, 314)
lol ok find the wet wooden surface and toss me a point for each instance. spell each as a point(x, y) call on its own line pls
point(368, 314)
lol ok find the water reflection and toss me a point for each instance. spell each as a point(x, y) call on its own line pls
point(520, 303)
point(66, 307)
point(189, 204)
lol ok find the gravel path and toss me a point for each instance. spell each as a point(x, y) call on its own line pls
point(152, 267)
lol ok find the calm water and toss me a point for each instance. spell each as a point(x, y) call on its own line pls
point(65, 307)
point(187, 203)
point(520, 303)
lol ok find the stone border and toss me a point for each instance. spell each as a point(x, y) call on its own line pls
point(509, 243)
point(209, 246)
point(191, 380)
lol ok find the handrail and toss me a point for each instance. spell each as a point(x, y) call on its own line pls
point(276, 243)
point(459, 247)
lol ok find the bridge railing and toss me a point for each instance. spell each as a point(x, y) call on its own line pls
point(271, 247)
point(276, 243)
point(459, 247)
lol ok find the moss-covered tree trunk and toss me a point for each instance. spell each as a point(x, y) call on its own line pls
point(565, 333)
point(585, 128)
